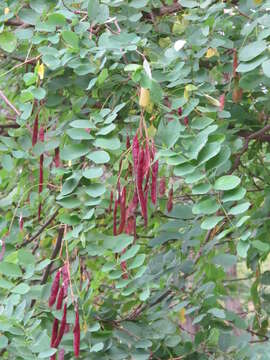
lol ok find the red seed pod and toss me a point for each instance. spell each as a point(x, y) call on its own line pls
point(162, 186)
point(179, 111)
point(41, 134)
point(235, 63)
point(62, 327)
point(130, 226)
point(154, 182)
point(35, 131)
point(170, 200)
point(76, 334)
point(122, 210)
point(54, 288)
point(40, 187)
point(186, 121)
point(21, 223)
point(61, 355)
point(115, 218)
point(124, 269)
point(53, 357)
point(57, 157)
point(67, 328)
point(140, 174)
point(135, 152)
point(66, 279)
point(60, 298)
point(221, 102)
point(128, 142)
point(147, 159)
point(54, 331)
point(133, 204)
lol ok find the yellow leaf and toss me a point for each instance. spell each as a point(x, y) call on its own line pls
point(182, 316)
point(152, 131)
point(186, 95)
point(41, 71)
point(6, 11)
point(149, 107)
point(257, 2)
point(211, 52)
point(212, 100)
point(144, 97)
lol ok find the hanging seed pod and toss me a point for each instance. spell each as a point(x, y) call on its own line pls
point(60, 298)
point(147, 159)
point(140, 174)
point(41, 158)
point(128, 142)
point(62, 327)
point(76, 334)
point(61, 355)
point(237, 95)
point(122, 210)
point(57, 157)
point(144, 97)
point(154, 176)
point(54, 331)
point(65, 277)
point(115, 218)
point(35, 131)
point(170, 200)
point(124, 269)
point(135, 152)
point(54, 288)
point(221, 102)
point(162, 186)
point(179, 111)
point(186, 121)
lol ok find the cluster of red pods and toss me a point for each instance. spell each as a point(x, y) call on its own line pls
point(59, 295)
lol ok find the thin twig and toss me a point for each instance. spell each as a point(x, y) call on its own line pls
point(9, 104)
point(26, 242)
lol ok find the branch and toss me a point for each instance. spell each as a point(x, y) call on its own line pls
point(3, 96)
point(26, 242)
point(252, 136)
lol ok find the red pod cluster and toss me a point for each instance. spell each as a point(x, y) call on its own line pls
point(235, 63)
point(21, 223)
point(162, 186)
point(179, 111)
point(76, 334)
point(59, 292)
point(186, 121)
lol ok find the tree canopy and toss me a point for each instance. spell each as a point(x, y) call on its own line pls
point(134, 192)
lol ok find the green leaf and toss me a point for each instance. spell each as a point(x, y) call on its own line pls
point(74, 151)
point(10, 269)
point(211, 222)
point(227, 182)
point(249, 66)
point(97, 347)
point(169, 133)
point(8, 41)
point(99, 157)
point(252, 50)
point(92, 173)
point(21, 289)
point(239, 209)
point(234, 195)
point(56, 19)
point(111, 143)
point(207, 207)
point(262, 246)
point(71, 38)
point(95, 190)
point(118, 243)
point(266, 68)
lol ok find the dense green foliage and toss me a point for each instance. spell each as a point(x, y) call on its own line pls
point(193, 282)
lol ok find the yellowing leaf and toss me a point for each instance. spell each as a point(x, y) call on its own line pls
point(152, 131)
point(186, 95)
point(144, 97)
point(182, 316)
point(149, 107)
point(212, 100)
point(257, 2)
point(6, 11)
point(41, 71)
point(211, 52)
